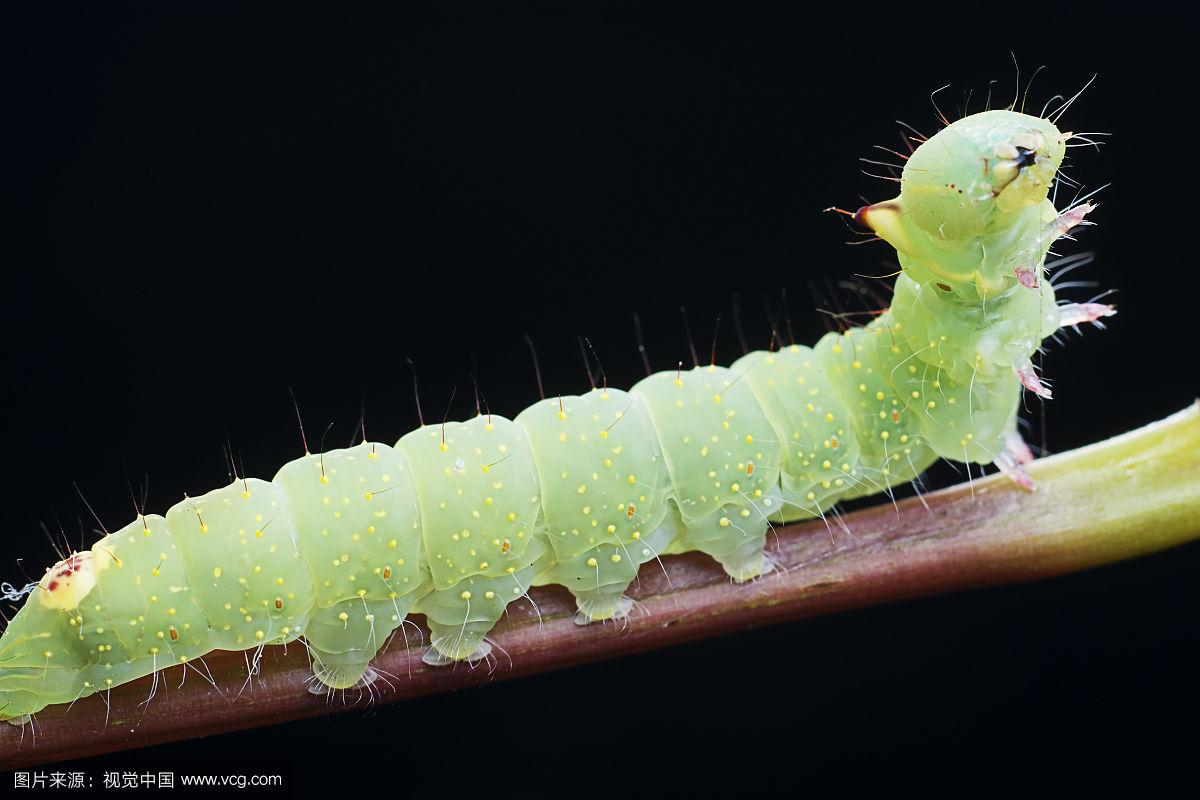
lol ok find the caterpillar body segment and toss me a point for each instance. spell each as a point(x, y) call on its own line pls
point(604, 498)
point(973, 340)
point(459, 519)
point(243, 562)
point(865, 364)
point(723, 458)
point(480, 500)
point(358, 526)
point(820, 453)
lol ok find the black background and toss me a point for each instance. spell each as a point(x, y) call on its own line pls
point(204, 207)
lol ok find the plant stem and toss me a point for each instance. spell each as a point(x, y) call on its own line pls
point(1130, 495)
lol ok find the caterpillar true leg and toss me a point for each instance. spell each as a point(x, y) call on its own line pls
point(1078, 313)
point(1029, 378)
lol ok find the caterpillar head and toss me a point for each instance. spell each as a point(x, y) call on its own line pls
point(976, 173)
point(973, 202)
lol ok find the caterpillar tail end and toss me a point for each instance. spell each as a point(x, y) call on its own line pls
point(601, 606)
point(18, 722)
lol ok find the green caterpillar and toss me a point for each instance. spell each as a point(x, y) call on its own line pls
point(457, 520)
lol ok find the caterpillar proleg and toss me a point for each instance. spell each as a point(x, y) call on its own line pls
point(456, 520)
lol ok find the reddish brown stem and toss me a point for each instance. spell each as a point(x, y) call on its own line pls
point(1124, 497)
